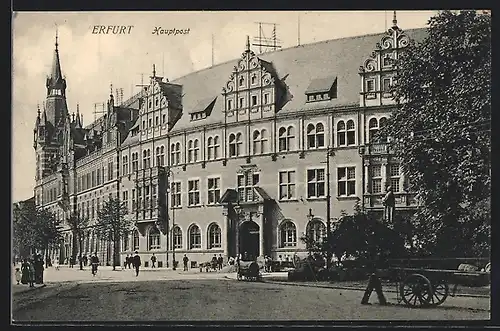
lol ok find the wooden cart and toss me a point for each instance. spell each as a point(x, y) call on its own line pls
point(419, 287)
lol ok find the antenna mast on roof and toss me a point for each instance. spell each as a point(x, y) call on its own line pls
point(212, 49)
point(298, 29)
point(269, 44)
point(101, 110)
point(142, 82)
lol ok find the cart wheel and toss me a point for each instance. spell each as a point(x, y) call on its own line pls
point(416, 291)
point(440, 291)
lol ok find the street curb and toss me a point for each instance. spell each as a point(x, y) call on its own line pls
point(361, 289)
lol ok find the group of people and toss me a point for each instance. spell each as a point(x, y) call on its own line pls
point(135, 261)
point(31, 271)
point(217, 262)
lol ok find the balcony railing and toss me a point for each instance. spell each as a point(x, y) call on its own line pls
point(376, 149)
point(401, 199)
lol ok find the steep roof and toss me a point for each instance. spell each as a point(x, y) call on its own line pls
point(300, 65)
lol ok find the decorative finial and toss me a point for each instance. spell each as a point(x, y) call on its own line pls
point(56, 36)
point(77, 108)
point(111, 90)
point(38, 108)
point(248, 44)
point(394, 19)
point(154, 70)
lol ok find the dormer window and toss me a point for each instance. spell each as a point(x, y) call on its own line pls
point(203, 109)
point(322, 89)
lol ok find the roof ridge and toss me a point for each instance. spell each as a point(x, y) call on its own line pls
point(290, 48)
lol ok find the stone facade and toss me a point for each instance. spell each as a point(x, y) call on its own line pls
point(231, 158)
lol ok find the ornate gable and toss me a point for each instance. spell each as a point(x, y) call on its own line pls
point(252, 89)
point(378, 70)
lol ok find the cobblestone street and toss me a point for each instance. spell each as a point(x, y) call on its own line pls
point(161, 294)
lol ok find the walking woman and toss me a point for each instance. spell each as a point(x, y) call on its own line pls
point(25, 272)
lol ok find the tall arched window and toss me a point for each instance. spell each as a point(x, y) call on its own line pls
point(341, 134)
point(214, 236)
point(177, 237)
point(175, 153)
point(351, 133)
point(210, 148)
point(372, 129)
point(153, 238)
point(190, 151)
point(316, 230)
point(194, 237)
point(146, 159)
point(286, 139)
point(196, 150)
point(315, 135)
point(160, 156)
point(288, 234)
point(235, 144)
point(135, 240)
point(259, 141)
point(126, 242)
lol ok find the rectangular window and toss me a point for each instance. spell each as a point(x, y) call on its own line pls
point(125, 198)
point(93, 178)
point(229, 104)
point(150, 122)
point(164, 118)
point(193, 192)
point(376, 174)
point(395, 174)
point(175, 194)
point(242, 102)
point(254, 100)
point(153, 198)
point(98, 175)
point(125, 165)
point(133, 200)
point(315, 183)
point(370, 85)
point(386, 84)
point(266, 98)
point(246, 186)
point(157, 121)
point(110, 170)
point(92, 209)
point(346, 181)
point(287, 185)
point(98, 205)
point(213, 189)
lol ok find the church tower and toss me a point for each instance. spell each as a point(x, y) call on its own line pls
point(50, 120)
point(55, 104)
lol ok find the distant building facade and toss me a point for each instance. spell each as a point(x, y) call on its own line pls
point(229, 159)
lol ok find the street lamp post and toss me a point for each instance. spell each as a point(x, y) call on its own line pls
point(329, 153)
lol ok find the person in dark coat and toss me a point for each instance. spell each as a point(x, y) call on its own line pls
point(220, 261)
point(185, 260)
point(38, 266)
point(153, 261)
point(136, 262)
point(25, 272)
point(85, 260)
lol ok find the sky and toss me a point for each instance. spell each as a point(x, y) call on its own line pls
point(92, 62)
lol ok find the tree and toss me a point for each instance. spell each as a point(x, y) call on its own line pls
point(24, 235)
point(112, 224)
point(440, 129)
point(47, 232)
point(78, 224)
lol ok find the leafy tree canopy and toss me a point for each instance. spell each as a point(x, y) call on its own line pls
point(440, 129)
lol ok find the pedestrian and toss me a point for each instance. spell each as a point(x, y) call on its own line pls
point(127, 260)
point(56, 263)
point(137, 263)
point(389, 203)
point(85, 260)
point(38, 268)
point(94, 261)
point(153, 261)
point(214, 262)
point(31, 278)
point(220, 261)
point(130, 258)
point(18, 275)
point(185, 260)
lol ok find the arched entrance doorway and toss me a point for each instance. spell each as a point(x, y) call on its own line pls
point(249, 240)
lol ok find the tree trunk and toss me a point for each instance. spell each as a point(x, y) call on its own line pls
point(46, 255)
point(116, 243)
point(81, 247)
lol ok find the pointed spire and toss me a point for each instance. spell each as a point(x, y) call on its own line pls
point(111, 90)
point(56, 37)
point(38, 110)
point(154, 70)
point(79, 121)
point(394, 20)
point(247, 48)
